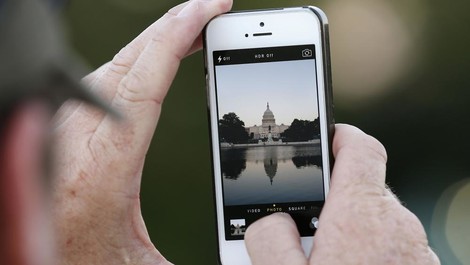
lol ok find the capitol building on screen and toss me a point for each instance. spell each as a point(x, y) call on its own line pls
point(268, 126)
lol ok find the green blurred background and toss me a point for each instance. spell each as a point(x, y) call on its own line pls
point(400, 73)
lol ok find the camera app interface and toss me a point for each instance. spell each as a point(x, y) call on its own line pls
point(269, 136)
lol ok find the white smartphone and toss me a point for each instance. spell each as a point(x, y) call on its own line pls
point(271, 122)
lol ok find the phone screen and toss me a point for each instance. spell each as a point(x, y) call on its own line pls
point(269, 136)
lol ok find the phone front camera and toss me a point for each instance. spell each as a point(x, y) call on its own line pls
point(246, 35)
point(261, 24)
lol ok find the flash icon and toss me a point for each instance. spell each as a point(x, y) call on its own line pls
point(220, 59)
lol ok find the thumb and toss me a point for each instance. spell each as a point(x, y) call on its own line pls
point(274, 240)
point(360, 162)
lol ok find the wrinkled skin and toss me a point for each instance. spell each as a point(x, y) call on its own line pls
point(99, 161)
point(362, 221)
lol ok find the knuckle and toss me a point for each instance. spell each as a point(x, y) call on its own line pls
point(173, 12)
point(377, 147)
point(122, 62)
point(130, 86)
point(351, 138)
point(170, 43)
point(366, 145)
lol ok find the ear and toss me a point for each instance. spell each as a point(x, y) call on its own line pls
point(22, 209)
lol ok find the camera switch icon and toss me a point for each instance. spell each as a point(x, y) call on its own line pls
point(307, 53)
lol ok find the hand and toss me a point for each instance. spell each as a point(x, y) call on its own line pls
point(99, 160)
point(362, 221)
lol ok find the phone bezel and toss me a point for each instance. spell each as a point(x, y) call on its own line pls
point(296, 26)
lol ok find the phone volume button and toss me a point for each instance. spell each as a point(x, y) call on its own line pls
point(207, 88)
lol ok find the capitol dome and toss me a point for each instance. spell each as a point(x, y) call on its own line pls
point(268, 118)
point(268, 127)
point(268, 114)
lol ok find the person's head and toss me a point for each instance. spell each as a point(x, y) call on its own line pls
point(36, 77)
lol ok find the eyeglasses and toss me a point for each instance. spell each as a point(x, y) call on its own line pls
point(35, 63)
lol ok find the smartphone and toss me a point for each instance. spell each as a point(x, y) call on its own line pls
point(271, 120)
